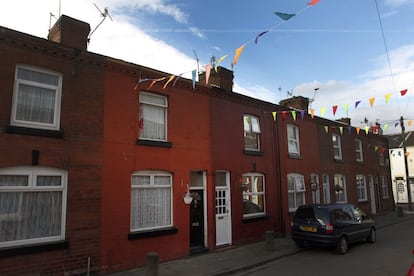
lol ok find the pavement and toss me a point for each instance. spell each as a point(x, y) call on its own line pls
point(241, 258)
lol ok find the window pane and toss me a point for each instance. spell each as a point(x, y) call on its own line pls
point(251, 140)
point(255, 125)
point(141, 180)
point(153, 99)
point(162, 180)
point(14, 180)
point(154, 122)
point(49, 180)
point(29, 215)
point(36, 76)
point(35, 104)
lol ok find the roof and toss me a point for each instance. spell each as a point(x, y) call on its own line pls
point(395, 140)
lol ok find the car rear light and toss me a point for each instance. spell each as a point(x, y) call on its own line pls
point(329, 228)
point(292, 225)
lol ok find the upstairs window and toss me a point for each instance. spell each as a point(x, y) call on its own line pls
point(361, 186)
point(337, 150)
point(381, 158)
point(36, 98)
point(153, 116)
point(358, 151)
point(251, 132)
point(32, 205)
point(293, 139)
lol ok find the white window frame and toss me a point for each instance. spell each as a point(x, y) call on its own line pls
point(252, 194)
point(359, 156)
point(146, 133)
point(293, 139)
point(251, 126)
point(361, 187)
point(135, 213)
point(340, 196)
point(384, 187)
point(297, 190)
point(14, 120)
point(32, 174)
point(326, 189)
point(336, 143)
point(381, 158)
point(316, 195)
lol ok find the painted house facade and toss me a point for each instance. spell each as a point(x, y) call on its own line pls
point(101, 162)
point(400, 164)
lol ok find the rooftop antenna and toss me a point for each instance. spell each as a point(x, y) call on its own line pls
point(313, 97)
point(50, 20)
point(104, 14)
point(198, 65)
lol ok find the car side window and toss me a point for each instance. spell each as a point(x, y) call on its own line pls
point(341, 215)
point(358, 214)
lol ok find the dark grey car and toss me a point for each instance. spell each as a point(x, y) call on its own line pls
point(333, 225)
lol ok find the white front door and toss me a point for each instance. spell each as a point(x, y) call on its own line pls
point(223, 208)
point(372, 194)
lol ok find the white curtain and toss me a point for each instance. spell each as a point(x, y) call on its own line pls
point(35, 104)
point(154, 122)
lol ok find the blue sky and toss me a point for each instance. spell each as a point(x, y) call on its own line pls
point(336, 46)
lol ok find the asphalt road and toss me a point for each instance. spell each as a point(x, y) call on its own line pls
point(390, 255)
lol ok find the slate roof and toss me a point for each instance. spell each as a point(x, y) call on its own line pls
point(395, 140)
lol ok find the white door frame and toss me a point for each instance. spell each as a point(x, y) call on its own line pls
point(223, 212)
point(372, 194)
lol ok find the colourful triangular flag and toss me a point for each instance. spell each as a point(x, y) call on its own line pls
point(334, 109)
point(371, 102)
point(208, 69)
point(238, 53)
point(409, 123)
point(358, 129)
point(284, 115)
point(274, 115)
point(357, 103)
point(194, 74)
point(259, 35)
point(341, 129)
point(312, 112)
point(168, 81)
point(346, 108)
point(293, 114)
point(323, 110)
point(284, 16)
point(313, 2)
point(387, 97)
point(326, 129)
point(302, 113)
point(403, 92)
point(366, 129)
point(385, 127)
point(220, 60)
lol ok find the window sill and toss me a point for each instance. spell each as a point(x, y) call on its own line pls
point(152, 233)
point(34, 131)
point(295, 156)
point(33, 248)
point(338, 160)
point(359, 162)
point(152, 143)
point(255, 219)
point(253, 152)
point(363, 201)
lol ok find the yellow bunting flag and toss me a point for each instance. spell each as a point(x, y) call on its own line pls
point(274, 115)
point(366, 129)
point(372, 101)
point(387, 97)
point(341, 130)
point(326, 129)
point(168, 81)
point(220, 60)
point(238, 53)
point(294, 114)
point(375, 148)
point(323, 110)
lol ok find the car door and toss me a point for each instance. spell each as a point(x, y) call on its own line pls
point(345, 222)
point(364, 223)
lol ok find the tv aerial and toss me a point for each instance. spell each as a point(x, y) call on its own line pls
point(104, 14)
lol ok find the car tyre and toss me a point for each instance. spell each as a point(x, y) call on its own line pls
point(342, 246)
point(372, 237)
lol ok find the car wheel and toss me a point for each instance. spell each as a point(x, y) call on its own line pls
point(372, 238)
point(342, 246)
point(299, 244)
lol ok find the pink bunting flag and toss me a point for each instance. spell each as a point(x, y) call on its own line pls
point(404, 92)
point(208, 70)
point(334, 109)
point(238, 53)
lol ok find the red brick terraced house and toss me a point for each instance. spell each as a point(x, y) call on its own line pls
point(98, 168)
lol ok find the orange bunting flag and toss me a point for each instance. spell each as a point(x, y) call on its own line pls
point(168, 81)
point(312, 112)
point(387, 97)
point(294, 114)
point(409, 123)
point(372, 101)
point(237, 54)
point(366, 129)
point(274, 115)
point(403, 92)
point(208, 70)
point(334, 109)
point(407, 154)
point(313, 2)
point(326, 129)
point(358, 129)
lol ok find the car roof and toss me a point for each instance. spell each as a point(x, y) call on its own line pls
point(326, 206)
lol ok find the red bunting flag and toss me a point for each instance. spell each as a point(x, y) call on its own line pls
point(284, 115)
point(334, 109)
point(403, 92)
point(313, 2)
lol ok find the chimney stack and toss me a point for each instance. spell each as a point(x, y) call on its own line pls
point(223, 78)
point(296, 102)
point(70, 32)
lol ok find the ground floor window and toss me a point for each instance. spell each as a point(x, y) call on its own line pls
point(253, 185)
point(326, 189)
point(361, 186)
point(151, 200)
point(296, 191)
point(32, 205)
point(384, 187)
point(340, 188)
